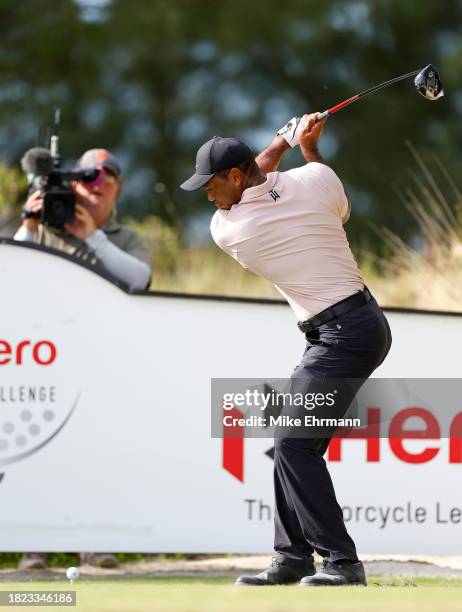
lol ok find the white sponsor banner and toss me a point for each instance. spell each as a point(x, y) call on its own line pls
point(105, 422)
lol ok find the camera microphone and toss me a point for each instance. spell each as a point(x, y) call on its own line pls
point(37, 162)
point(42, 167)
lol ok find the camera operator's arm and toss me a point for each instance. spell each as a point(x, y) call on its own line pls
point(25, 235)
point(28, 230)
point(123, 266)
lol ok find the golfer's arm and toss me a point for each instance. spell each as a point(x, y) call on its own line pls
point(269, 158)
point(311, 154)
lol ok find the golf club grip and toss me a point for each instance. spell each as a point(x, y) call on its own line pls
point(336, 108)
point(322, 116)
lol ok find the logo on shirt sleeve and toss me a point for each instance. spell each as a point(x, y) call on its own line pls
point(274, 194)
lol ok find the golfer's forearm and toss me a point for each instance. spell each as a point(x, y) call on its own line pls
point(311, 154)
point(269, 158)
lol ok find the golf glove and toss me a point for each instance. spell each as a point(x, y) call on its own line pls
point(291, 131)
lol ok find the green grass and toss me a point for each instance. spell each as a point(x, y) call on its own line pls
point(173, 594)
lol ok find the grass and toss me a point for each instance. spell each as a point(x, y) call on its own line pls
point(173, 594)
point(427, 276)
point(210, 271)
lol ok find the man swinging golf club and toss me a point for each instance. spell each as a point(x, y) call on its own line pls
point(288, 228)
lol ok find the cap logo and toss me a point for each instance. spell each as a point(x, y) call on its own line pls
point(101, 155)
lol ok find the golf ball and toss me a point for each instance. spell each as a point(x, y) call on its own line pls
point(72, 573)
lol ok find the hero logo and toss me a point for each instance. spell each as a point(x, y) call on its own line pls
point(233, 439)
point(42, 352)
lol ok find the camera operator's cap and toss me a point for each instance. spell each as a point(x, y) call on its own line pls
point(99, 157)
point(215, 155)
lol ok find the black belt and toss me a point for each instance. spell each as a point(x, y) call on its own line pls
point(354, 301)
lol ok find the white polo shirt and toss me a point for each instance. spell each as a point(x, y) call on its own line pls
point(290, 230)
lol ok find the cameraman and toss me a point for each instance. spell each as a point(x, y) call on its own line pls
point(95, 236)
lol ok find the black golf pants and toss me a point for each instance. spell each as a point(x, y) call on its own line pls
point(307, 515)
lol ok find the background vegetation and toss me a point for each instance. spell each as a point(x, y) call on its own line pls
point(151, 80)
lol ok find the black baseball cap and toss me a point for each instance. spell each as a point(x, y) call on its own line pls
point(215, 155)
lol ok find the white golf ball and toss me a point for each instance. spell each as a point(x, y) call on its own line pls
point(72, 573)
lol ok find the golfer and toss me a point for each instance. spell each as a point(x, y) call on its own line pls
point(288, 228)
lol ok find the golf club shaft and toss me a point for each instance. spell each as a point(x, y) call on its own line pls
point(364, 93)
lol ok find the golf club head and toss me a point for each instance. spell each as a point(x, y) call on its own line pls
point(428, 83)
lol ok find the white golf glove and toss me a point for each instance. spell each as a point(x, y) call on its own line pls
point(291, 131)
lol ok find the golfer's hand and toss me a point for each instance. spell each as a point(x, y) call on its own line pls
point(311, 131)
point(84, 225)
point(34, 204)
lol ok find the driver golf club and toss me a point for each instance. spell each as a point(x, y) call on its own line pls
point(427, 83)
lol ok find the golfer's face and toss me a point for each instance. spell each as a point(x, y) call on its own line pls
point(223, 192)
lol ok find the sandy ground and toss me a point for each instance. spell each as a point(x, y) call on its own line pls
point(377, 565)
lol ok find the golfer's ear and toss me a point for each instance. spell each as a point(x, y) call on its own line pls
point(235, 175)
